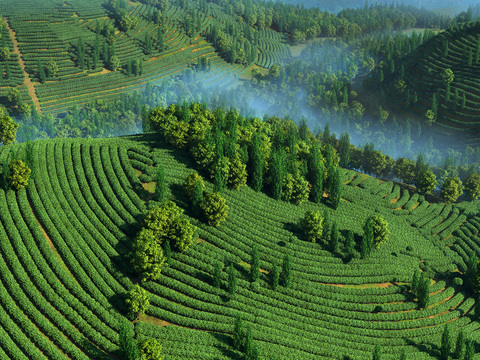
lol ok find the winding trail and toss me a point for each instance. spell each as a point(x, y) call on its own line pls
point(28, 82)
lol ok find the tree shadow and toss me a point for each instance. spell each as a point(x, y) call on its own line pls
point(429, 348)
point(118, 302)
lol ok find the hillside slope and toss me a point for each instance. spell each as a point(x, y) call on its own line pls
point(82, 37)
point(457, 113)
point(65, 242)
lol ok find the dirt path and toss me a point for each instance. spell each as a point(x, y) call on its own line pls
point(28, 82)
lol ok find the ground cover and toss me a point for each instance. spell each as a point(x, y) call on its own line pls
point(81, 211)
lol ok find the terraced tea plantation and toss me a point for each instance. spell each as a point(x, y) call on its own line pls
point(456, 105)
point(65, 242)
point(48, 31)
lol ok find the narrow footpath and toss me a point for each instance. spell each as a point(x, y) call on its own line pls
point(28, 82)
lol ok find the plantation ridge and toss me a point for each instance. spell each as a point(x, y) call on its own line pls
point(239, 179)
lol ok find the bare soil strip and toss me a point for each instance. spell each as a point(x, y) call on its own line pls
point(28, 82)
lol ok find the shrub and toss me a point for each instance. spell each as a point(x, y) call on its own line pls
point(312, 225)
point(150, 349)
point(137, 301)
point(19, 174)
point(214, 208)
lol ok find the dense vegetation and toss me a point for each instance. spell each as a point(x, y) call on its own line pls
point(243, 223)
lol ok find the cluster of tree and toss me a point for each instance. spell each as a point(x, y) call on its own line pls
point(237, 44)
point(134, 66)
point(120, 13)
point(161, 223)
point(464, 348)
point(301, 23)
point(317, 227)
point(275, 154)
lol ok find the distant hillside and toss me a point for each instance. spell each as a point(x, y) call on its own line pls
point(455, 115)
point(100, 51)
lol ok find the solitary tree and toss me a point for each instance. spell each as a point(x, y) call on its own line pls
point(126, 341)
point(19, 174)
point(313, 225)
point(452, 189)
point(147, 255)
point(197, 199)
point(13, 95)
point(214, 208)
point(447, 76)
point(446, 342)
point(52, 68)
point(150, 349)
point(238, 332)
point(217, 275)
point(426, 182)
point(415, 280)
point(423, 292)
point(8, 129)
point(350, 244)
point(380, 230)
point(190, 181)
point(232, 279)
point(160, 187)
point(334, 237)
point(137, 301)
point(472, 186)
point(460, 346)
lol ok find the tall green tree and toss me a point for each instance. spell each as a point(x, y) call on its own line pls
point(472, 186)
point(238, 332)
point(217, 275)
point(126, 341)
point(334, 235)
point(257, 166)
point(336, 188)
point(366, 245)
point(137, 301)
point(316, 173)
point(452, 189)
point(8, 129)
point(460, 345)
point(147, 255)
point(312, 225)
point(277, 173)
point(423, 292)
point(214, 208)
point(426, 182)
point(446, 344)
point(350, 244)
point(150, 349)
point(344, 150)
point(160, 187)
